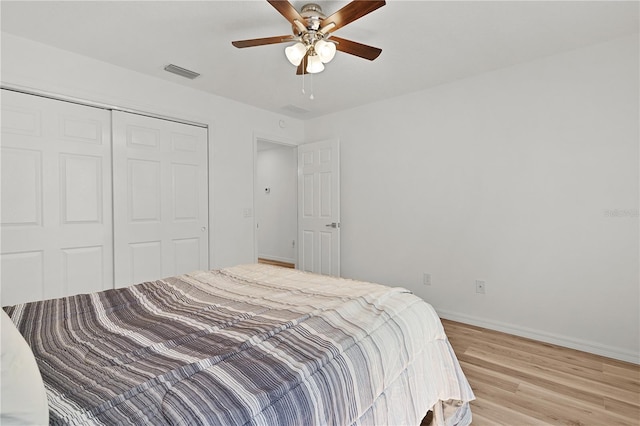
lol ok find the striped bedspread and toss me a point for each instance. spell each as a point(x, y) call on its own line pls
point(252, 344)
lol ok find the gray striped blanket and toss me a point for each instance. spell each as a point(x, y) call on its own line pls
point(252, 344)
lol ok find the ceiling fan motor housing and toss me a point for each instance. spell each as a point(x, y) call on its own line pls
point(312, 13)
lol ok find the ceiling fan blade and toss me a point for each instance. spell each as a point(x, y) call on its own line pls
point(287, 10)
point(302, 68)
point(352, 11)
point(357, 49)
point(263, 41)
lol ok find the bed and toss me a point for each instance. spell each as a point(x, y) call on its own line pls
point(247, 345)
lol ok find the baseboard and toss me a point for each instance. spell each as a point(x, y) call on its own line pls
point(581, 345)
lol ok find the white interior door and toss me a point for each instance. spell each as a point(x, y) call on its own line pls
point(161, 201)
point(319, 207)
point(56, 199)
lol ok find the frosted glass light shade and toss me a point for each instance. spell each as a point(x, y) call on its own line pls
point(295, 53)
point(325, 50)
point(315, 65)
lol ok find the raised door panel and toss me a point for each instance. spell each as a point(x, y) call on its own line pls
point(308, 196)
point(83, 269)
point(79, 128)
point(185, 192)
point(22, 277)
point(146, 261)
point(21, 188)
point(81, 189)
point(20, 120)
point(325, 252)
point(145, 138)
point(184, 142)
point(325, 195)
point(308, 251)
point(186, 253)
point(143, 190)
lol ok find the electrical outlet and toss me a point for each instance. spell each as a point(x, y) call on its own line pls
point(480, 286)
point(426, 279)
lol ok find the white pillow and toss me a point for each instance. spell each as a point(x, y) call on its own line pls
point(23, 398)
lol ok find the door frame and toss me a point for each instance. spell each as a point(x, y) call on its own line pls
point(278, 140)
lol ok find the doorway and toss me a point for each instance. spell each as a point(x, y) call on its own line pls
point(275, 201)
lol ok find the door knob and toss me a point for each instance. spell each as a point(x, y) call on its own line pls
point(333, 225)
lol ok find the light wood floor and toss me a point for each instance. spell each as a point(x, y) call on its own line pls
point(519, 381)
point(276, 263)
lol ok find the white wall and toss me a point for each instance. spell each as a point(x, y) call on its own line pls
point(276, 211)
point(231, 127)
point(525, 177)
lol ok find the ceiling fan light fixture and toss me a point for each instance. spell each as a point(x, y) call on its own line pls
point(295, 53)
point(315, 64)
point(325, 50)
point(314, 43)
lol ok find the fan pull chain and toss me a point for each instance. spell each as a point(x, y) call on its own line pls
point(303, 69)
point(310, 79)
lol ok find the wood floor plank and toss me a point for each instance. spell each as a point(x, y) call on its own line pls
point(592, 370)
point(628, 410)
point(507, 403)
point(486, 412)
point(276, 263)
point(519, 381)
point(524, 373)
point(616, 369)
point(502, 381)
point(566, 355)
point(580, 387)
point(569, 409)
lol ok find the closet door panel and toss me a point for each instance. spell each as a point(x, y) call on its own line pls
point(83, 269)
point(56, 199)
point(81, 189)
point(23, 187)
point(161, 198)
point(22, 276)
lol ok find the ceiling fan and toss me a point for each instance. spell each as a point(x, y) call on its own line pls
point(315, 45)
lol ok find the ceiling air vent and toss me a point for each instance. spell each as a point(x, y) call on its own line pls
point(181, 71)
point(295, 109)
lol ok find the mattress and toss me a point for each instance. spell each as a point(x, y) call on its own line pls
point(247, 345)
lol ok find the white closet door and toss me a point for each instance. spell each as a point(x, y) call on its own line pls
point(160, 201)
point(55, 210)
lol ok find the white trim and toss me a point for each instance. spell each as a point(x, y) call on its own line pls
point(280, 140)
point(568, 342)
point(64, 98)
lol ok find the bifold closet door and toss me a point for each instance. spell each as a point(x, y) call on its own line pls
point(56, 223)
point(160, 198)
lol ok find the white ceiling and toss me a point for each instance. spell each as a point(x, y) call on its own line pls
point(424, 43)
